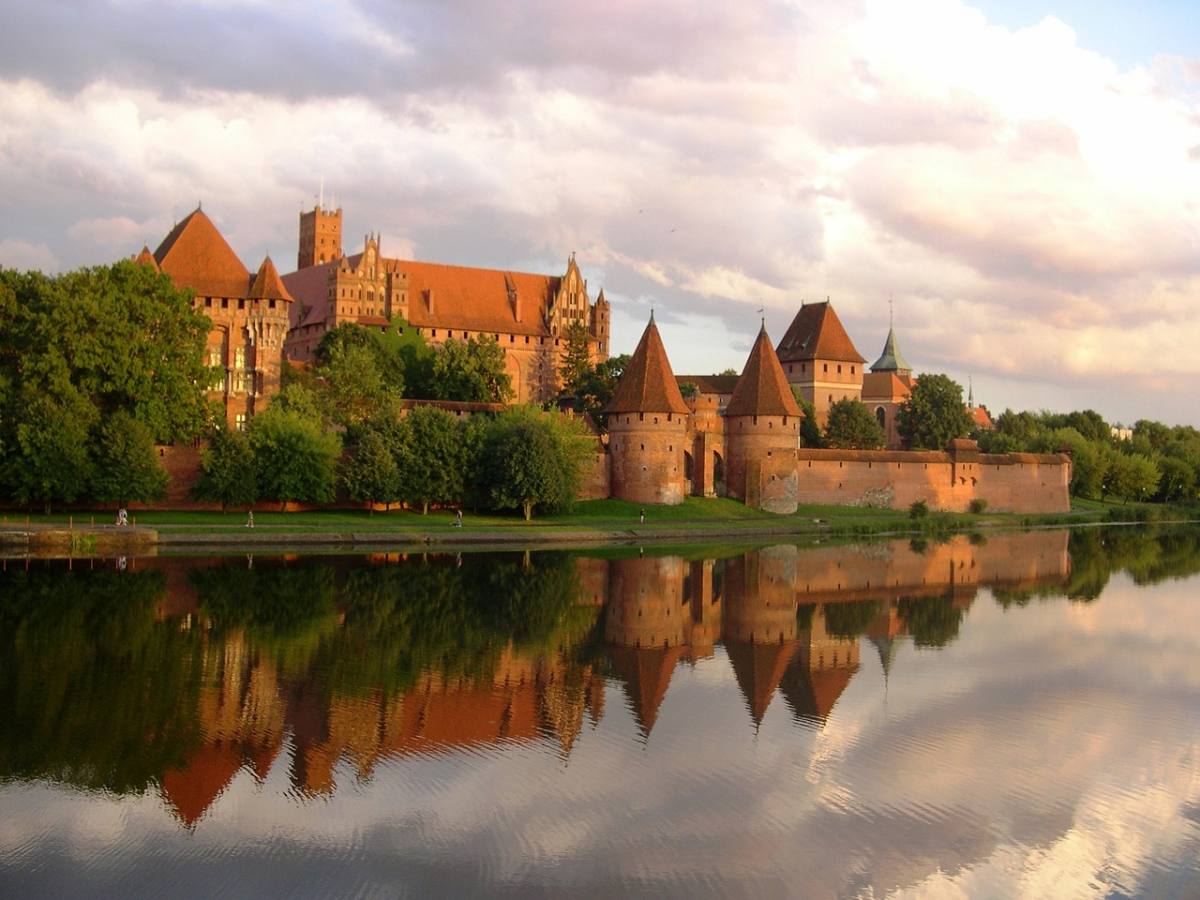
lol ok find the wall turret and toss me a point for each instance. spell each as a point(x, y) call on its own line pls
point(762, 432)
point(647, 423)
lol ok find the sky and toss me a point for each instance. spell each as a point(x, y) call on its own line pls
point(1020, 179)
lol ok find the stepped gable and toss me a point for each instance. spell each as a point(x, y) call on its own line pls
point(891, 360)
point(759, 668)
point(146, 258)
point(817, 333)
point(267, 284)
point(646, 674)
point(763, 389)
point(196, 256)
point(648, 384)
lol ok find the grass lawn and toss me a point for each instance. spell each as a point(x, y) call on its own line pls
point(712, 516)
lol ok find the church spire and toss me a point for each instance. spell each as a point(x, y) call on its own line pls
point(892, 359)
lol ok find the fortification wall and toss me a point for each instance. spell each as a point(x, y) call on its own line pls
point(761, 461)
point(1014, 482)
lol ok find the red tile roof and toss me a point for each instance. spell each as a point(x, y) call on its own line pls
point(886, 385)
point(648, 384)
point(146, 258)
point(758, 669)
point(267, 284)
point(980, 417)
point(763, 389)
point(196, 256)
point(817, 333)
point(646, 673)
point(709, 384)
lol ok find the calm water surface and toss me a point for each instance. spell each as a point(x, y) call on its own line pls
point(1016, 716)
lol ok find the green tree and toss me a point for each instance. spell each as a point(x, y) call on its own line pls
point(689, 390)
point(1131, 477)
point(1178, 481)
point(371, 474)
point(576, 359)
point(470, 371)
point(599, 384)
point(534, 460)
point(48, 460)
point(934, 414)
point(227, 471)
point(852, 427)
point(295, 458)
point(1088, 462)
point(810, 431)
point(126, 465)
point(432, 463)
point(356, 387)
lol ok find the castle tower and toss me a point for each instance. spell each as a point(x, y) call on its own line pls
point(886, 387)
point(647, 422)
point(600, 325)
point(821, 359)
point(320, 237)
point(762, 432)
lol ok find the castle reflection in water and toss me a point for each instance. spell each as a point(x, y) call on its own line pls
point(218, 665)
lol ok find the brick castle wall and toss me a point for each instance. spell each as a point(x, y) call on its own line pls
point(646, 457)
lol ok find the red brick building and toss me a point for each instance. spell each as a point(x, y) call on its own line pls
point(527, 314)
point(249, 313)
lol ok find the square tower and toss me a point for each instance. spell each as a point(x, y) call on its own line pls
point(320, 237)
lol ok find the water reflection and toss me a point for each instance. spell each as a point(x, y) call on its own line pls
point(172, 676)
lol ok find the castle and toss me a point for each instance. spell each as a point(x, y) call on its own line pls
point(527, 314)
point(740, 437)
point(736, 437)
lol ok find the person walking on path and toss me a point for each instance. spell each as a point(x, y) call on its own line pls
point(458, 518)
point(249, 518)
point(642, 516)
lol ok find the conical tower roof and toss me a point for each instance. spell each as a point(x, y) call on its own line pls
point(146, 258)
point(646, 674)
point(648, 384)
point(758, 669)
point(196, 256)
point(763, 389)
point(891, 360)
point(267, 284)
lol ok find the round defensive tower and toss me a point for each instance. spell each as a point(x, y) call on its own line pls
point(762, 432)
point(647, 426)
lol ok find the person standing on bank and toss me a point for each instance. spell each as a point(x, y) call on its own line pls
point(642, 515)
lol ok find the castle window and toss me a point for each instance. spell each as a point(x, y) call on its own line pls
point(839, 370)
point(643, 447)
point(512, 338)
point(239, 422)
point(433, 333)
point(852, 370)
point(241, 304)
point(224, 303)
point(803, 367)
point(272, 304)
point(527, 339)
point(239, 358)
point(208, 302)
point(641, 417)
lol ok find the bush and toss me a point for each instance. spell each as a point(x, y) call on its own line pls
point(919, 510)
point(978, 506)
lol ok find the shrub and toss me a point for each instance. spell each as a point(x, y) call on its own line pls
point(978, 506)
point(919, 510)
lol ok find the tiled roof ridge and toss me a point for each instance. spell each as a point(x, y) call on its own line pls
point(816, 332)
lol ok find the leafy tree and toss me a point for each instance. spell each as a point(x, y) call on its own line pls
point(227, 471)
point(1156, 434)
point(934, 414)
point(48, 459)
point(728, 372)
point(295, 458)
point(852, 427)
point(432, 462)
point(850, 620)
point(1090, 424)
point(304, 400)
point(470, 371)
point(598, 385)
point(932, 621)
point(810, 431)
point(1088, 462)
point(576, 359)
point(689, 390)
point(123, 336)
point(126, 466)
point(1178, 482)
point(371, 474)
point(356, 387)
point(533, 460)
point(1131, 477)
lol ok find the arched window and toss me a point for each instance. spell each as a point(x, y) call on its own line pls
point(881, 417)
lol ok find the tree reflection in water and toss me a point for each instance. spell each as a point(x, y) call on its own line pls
point(177, 674)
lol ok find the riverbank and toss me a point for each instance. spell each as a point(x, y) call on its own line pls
point(590, 522)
